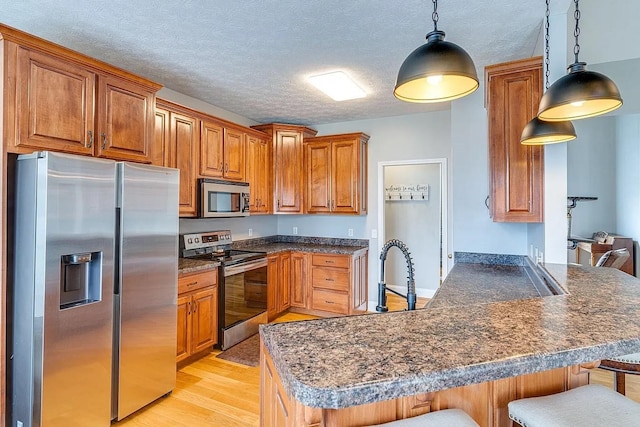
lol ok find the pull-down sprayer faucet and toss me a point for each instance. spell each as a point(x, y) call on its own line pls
point(382, 287)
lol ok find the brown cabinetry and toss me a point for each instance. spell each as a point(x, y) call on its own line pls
point(177, 132)
point(222, 151)
point(299, 280)
point(197, 313)
point(81, 107)
point(516, 172)
point(278, 283)
point(258, 173)
point(287, 163)
point(336, 174)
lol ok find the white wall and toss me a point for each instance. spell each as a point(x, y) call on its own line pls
point(260, 225)
point(627, 177)
point(473, 229)
point(417, 224)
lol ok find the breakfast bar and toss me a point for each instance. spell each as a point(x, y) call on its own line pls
point(486, 338)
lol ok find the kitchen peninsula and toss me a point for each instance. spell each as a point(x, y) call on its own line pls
point(470, 352)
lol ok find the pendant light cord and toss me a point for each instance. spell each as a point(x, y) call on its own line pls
point(434, 15)
point(576, 31)
point(546, 48)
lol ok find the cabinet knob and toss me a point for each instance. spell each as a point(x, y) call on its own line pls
point(90, 139)
point(195, 307)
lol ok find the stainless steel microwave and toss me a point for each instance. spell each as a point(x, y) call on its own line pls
point(223, 199)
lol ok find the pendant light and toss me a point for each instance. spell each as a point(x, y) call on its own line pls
point(436, 71)
point(539, 132)
point(580, 93)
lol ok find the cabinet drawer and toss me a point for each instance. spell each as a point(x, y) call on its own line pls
point(192, 281)
point(338, 261)
point(330, 278)
point(334, 302)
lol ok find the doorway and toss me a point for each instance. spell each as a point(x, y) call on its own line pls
point(412, 207)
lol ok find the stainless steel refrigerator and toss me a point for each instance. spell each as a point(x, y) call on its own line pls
point(95, 288)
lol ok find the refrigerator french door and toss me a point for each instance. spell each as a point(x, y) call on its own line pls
point(84, 312)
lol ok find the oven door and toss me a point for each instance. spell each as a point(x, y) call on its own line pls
point(243, 301)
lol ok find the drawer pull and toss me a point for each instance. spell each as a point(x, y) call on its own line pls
point(328, 261)
point(329, 302)
point(192, 283)
point(328, 279)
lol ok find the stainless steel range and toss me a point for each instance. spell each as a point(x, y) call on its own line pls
point(242, 298)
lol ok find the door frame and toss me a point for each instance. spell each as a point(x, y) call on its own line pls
point(444, 197)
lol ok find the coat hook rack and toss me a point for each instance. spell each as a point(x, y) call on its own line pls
point(407, 192)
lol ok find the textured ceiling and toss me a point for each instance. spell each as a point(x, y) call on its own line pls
point(252, 57)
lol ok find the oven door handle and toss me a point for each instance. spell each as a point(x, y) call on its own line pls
point(244, 267)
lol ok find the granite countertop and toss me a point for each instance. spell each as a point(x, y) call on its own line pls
point(271, 248)
point(188, 265)
point(347, 361)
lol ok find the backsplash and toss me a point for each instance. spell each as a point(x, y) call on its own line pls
point(239, 244)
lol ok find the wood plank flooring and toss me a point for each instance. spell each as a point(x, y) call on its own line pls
point(215, 392)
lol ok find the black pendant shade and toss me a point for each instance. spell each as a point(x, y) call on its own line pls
point(436, 71)
point(578, 95)
point(539, 132)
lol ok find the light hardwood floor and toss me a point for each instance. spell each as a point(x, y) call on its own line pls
point(215, 392)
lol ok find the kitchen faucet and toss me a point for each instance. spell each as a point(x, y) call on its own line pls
point(382, 287)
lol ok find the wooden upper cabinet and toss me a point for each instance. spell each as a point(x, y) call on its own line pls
point(288, 171)
point(125, 120)
point(234, 154)
point(258, 173)
point(211, 149)
point(65, 101)
point(222, 151)
point(336, 174)
point(177, 131)
point(55, 104)
point(318, 177)
point(516, 172)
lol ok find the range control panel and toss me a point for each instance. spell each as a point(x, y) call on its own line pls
point(205, 240)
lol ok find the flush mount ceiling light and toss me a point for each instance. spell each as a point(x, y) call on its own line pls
point(580, 93)
point(437, 71)
point(539, 132)
point(338, 85)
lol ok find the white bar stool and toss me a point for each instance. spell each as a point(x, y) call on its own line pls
point(443, 418)
point(621, 365)
point(591, 405)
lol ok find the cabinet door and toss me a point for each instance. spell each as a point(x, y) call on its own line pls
point(55, 104)
point(272, 286)
point(516, 171)
point(289, 172)
point(160, 150)
point(125, 120)
point(184, 149)
point(233, 154)
point(284, 283)
point(345, 166)
point(318, 175)
point(256, 169)
point(184, 328)
point(299, 279)
point(264, 177)
point(204, 313)
point(211, 150)
point(360, 283)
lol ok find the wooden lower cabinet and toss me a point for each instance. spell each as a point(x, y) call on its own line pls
point(278, 283)
point(485, 402)
point(338, 283)
point(197, 313)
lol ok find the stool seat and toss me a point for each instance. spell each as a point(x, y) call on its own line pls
point(589, 405)
point(443, 418)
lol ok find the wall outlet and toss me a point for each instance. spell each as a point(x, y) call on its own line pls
point(295, 230)
point(250, 232)
point(374, 233)
point(350, 232)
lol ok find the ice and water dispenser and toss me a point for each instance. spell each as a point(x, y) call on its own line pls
point(80, 281)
